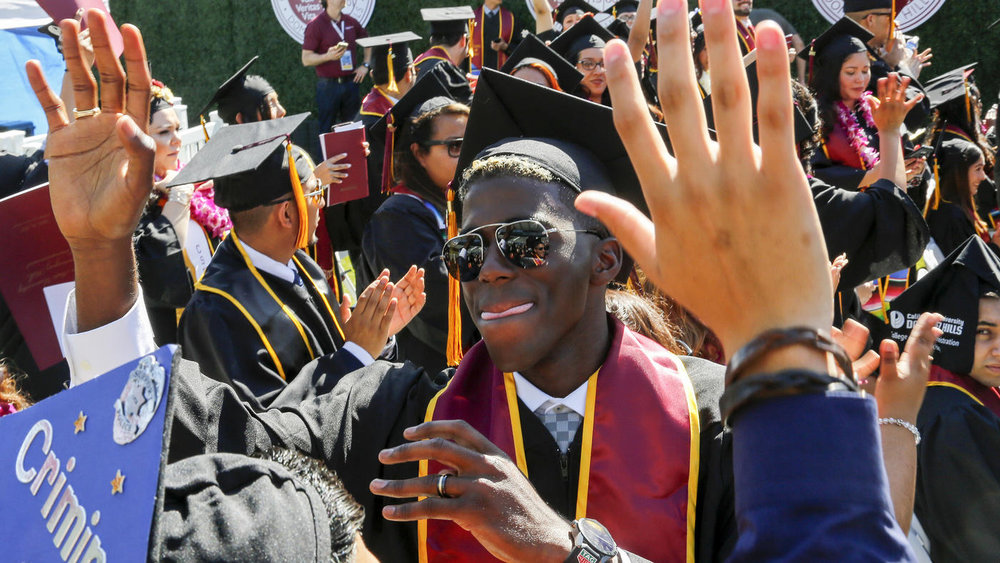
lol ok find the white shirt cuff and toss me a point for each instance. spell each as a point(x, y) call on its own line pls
point(104, 348)
point(358, 352)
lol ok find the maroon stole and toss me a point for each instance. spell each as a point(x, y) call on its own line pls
point(839, 150)
point(748, 37)
point(639, 456)
point(958, 132)
point(988, 397)
point(436, 52)
point(376, 103)
point(479, 42)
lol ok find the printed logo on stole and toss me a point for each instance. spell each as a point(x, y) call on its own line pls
point(140, 397)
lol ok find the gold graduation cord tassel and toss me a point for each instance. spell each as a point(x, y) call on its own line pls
point(892, 23)
point(454, 347)
point(968, 104)
point(204, 129)
point(390, 146)
point(472, 33)
point(812, 58)
point(934, 199)
point(881, 297)
point(392, 74)
point(302, 238)
point(614, 13)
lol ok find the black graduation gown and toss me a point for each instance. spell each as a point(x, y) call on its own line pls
point(949, 226)
point(217, 335)
point(958, 477)
point(346, 420)
point(401, 233)
point(167, 284)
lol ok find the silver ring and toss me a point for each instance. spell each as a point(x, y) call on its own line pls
point(441, 482)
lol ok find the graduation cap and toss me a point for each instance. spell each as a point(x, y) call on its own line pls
point(619, 28)
point(84, 465)
point(391, 56)
point(803, 127)
point(253, 164)
point(953, 288)
point(586, 34)
point(839, 39)
point(532, 51)
point(290, 518)
point(949, 86)
point(623, 7)
point(239, 94)
point(439, 86)
point(570, 7)
point(448, 21)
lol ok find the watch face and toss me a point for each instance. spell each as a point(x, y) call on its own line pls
point(597, 536)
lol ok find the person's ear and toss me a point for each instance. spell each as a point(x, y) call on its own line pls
point(419, 154)
point(239, 117)
point(607, 261)
point(287, 215)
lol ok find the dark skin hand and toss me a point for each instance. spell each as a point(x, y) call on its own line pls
point(491, 498)
point(100, 167)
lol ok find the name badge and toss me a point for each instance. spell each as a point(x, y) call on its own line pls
point(347, 61)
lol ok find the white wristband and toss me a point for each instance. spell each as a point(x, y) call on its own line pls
point(902, 423)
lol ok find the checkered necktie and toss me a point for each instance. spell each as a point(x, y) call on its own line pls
point(562, 422)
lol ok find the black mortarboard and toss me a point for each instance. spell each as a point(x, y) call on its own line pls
point(569, 7)
point(696, 20)
point(291, 508)
point(391, 55)
point(949, 86)
point(865, 5)
point(241, 93)
point(622, 7)
point(953, 289)
point(620, 29)
point(586, 34)
point(448, 21)
point(803, 128)
point(840, 39)
point(437, 87)
point(531, 48)
point(585, 152)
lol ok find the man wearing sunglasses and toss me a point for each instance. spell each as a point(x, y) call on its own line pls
point(263, 309)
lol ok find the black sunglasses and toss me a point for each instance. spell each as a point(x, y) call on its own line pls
point(454, 145)
point(524, 244)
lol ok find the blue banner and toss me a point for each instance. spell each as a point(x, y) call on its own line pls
point(80, 471)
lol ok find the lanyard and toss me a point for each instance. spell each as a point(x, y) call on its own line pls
point(339, 30)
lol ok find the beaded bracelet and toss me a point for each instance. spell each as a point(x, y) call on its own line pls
point(903, 424)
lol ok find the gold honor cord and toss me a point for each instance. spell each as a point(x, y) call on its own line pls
point(694, 465)
point(953, 386)
point(253, 323)
point(326, 302)
point(284, 308)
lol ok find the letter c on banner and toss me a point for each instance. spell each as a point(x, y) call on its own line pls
point(26, 475)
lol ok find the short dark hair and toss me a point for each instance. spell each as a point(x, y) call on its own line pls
point(250, 220)
point(446, 39)
point(511, 166)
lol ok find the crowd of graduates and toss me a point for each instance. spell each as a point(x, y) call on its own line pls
point(626, 292)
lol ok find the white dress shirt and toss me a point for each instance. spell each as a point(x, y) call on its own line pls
point(533, 397)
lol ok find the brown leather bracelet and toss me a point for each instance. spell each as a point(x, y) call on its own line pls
point(783, 338)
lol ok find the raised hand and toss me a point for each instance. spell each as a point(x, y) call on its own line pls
point(487, 494)
point(100, 166)
point(409, 293)
point(736, 239)
point(890, 108)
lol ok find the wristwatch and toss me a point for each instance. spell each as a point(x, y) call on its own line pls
point(592, 542)
point(366, 65)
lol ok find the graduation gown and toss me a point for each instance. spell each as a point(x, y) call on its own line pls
point(485, 29)
point(240, 334)
point(950, 226)
point(167, 283)
point(987, 198)
point(346, 420)
point(958, 469)
point(432, 57)
point(408, 230)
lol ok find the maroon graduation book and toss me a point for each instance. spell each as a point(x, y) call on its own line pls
point(33, 256)
point(66, 9)
point(347, 138)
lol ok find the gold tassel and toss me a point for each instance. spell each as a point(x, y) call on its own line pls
point(892, 23)
point(302, 238)
point(934, 199)
point(454, 347)
point(968, 103)
point(392, 74)
point(472, 31)
point(204, 129)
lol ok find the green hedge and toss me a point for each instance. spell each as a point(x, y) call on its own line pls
point(193, 45)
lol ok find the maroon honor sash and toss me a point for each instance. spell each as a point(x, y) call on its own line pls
point(479, 42)
point(436, 52)
point(748, 37)
point(376, 103)
point(639, 456)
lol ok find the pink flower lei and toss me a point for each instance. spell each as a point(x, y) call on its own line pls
point(857, 137)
